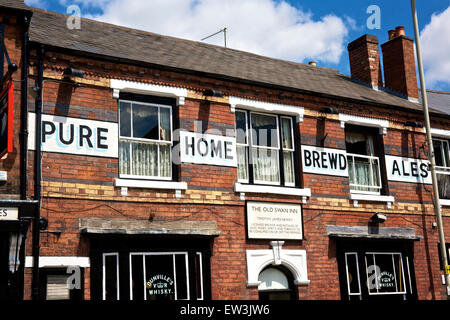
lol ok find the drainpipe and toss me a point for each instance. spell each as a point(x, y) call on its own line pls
point(437, 205)
point(24, 114)
point(38, 174)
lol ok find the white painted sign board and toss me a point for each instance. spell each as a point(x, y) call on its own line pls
point(75, 136)
point(207, 149)
point(8, 214)
point(326, 161)
point(408, 169)
point(276, 221)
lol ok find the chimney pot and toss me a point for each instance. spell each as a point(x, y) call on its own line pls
point(392, 34)
point(400, 31)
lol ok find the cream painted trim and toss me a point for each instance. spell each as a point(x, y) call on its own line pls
point(371, 197)
point(254, 188)
point(435, 132)
point(150, 184)
point(148, 88)
point(293, 260)
point(263, 106)
point(363, 121)
point(49, 262)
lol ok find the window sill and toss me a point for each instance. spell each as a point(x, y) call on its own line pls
point(252, 188)
point(444, 202)
point(371, 197)
point(150, 184)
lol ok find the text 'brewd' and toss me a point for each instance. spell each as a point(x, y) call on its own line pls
point(324, 161)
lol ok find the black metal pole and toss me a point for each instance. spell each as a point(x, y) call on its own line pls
point(24, 114)
point(38, 174)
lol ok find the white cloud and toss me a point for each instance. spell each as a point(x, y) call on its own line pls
point(267, 27)
point(435, 45)
point(35, 3)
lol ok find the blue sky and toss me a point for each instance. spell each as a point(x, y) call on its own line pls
point(297, 30)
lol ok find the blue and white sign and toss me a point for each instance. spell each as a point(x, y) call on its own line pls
point(75, 136)
point(207, 149)
point(324, 161)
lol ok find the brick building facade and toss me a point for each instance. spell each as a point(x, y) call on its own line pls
point(158, 178)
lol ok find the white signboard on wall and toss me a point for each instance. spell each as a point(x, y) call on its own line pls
point(9, 213)
point(276, 221)
point(408, 170)
point(208, 149)
point(75, 136)
point(324, 161)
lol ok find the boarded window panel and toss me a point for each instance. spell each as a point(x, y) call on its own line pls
point(111, 277)
point(57, 288)
point(137, 280)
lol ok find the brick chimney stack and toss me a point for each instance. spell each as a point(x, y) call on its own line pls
point(399, 64)
point(365, 61)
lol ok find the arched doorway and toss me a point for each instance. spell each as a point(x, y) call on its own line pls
point(276, 283)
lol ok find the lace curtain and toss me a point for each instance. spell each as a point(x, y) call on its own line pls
point(149, 158)
point(363, 172)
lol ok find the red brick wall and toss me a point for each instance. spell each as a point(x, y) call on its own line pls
point(13, 44)
point(365, 60)
point(400, 66)
point(82, 186)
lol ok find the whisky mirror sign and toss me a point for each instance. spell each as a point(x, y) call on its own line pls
point(160, 285)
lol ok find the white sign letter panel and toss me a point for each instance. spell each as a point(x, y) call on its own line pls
point(208, 149)
point(324, 161)
point(408, 170)
point(75, 136)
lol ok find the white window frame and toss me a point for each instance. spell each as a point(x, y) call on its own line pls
point(371, 177)
point(395, 275)
point(442, 141)
point(443, 170)
point(173, 254)
point(279, 149)
point(357, 270)
point(364, 122)
point(149, 141)
point(245, 146)
point(104, 255)
point(291, 151)
point(200, 259)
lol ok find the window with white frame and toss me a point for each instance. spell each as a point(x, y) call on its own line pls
point(110, 280)
point(363, 160)
point(385, 273)
point(164, 276)
point(265, 148)
point(442, 158)
point(145, 141)
point(352, 275)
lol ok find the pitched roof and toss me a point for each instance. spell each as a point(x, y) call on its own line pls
point(15, 4)
point(109, 40)
point(438, 100)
